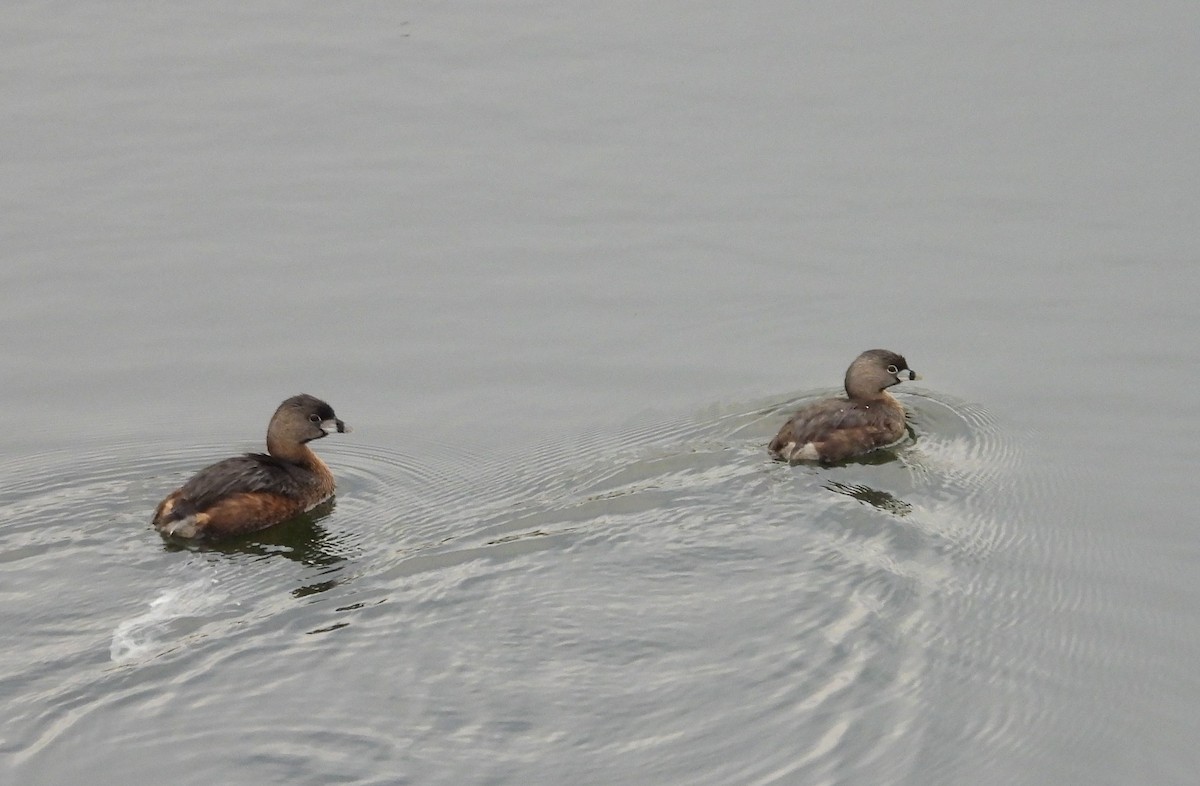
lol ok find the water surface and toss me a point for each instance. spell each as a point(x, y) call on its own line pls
point(565, 271)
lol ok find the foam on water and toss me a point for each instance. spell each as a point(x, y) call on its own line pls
point(166, 623)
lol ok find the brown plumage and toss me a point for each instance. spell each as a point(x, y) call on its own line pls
point(254, 491)
point(868, 417)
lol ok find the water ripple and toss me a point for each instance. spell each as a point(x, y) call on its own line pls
point(661, 598)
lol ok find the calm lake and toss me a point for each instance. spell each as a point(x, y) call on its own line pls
point(566, 269)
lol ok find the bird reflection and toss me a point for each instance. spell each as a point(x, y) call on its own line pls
point(301, 539)
point(879, 499)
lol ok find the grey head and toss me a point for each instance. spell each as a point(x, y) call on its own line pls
point(874, 371)
point(302, 419)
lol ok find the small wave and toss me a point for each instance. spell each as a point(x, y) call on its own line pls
point(159, 629)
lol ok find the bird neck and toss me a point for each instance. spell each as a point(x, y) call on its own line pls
point(294, 452)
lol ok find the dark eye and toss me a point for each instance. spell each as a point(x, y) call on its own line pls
point(314, 418)
point(892, 369)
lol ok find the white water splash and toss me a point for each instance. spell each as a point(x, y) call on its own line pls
point(161, 628)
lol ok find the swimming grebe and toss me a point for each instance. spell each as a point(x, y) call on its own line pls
point(836, 429)
point(254, 491)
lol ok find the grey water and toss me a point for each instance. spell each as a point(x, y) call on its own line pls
point(565, 270)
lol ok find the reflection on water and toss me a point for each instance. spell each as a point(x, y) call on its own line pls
point(301, 539)
point(880, 499)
